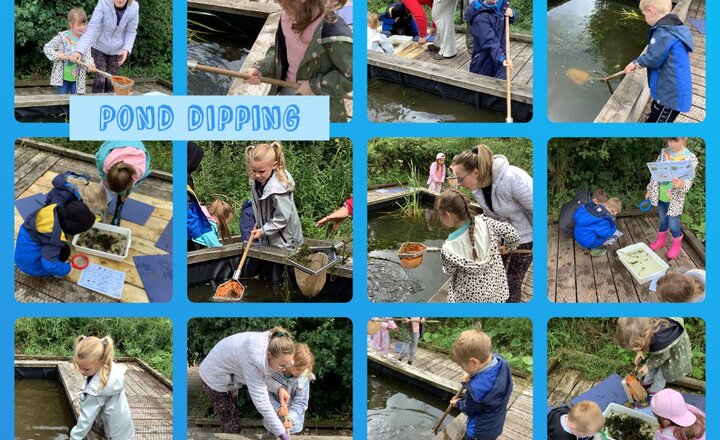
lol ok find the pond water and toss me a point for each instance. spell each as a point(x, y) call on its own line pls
point(593, 36)
point(391, 102)
point(387, 280)
point(42, 411)
point(43, 114)
point(400, 411)
point(225, 47)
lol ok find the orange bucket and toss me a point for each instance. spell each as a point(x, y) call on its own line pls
point(122, 85)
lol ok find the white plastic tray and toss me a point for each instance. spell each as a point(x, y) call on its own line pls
point(110, 228)
point(663, 265)
point(619, 409)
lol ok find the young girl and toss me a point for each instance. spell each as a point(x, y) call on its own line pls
point(69, 186)
point(669, 197)
point(206, 226)
point(376, 41)
point(111, 36)
point(249, 359)
point(505, 193)
point(122, 165)
point(380, 341)
point(409, 334)
point(677, 419)
point(102, 397)
point(686, 287)
point(313, 47)
point(667, 343)
point(69, 77)
point(471, 254)
point(296, 381)
point(437, 174)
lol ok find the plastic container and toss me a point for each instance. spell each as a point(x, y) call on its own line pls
point(642, 280)
point(619, 409)
point(109, 228)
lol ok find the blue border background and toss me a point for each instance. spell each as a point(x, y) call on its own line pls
point(359, 130)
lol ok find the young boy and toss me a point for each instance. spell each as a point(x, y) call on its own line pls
point(581, 422)
point(396, 20)
point(667, 60)
point(595, 223)
point(566, 223)
point(486, 21)
point(41, 249)
point(488, 384)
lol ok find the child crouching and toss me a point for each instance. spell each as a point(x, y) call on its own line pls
point(581, 422)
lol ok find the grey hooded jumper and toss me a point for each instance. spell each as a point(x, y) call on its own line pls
point(105, 34)
point(276, 214)
point(108, 408)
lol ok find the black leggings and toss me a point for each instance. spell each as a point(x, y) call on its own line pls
point(519, 264)
point(660, 113)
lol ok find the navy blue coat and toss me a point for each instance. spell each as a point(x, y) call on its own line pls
point(593, 225)
point(668, 63)
point(486, 399)
point(397, 20)
point(487, 27)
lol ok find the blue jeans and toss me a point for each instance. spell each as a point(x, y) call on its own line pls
point(68, 88)
point(668, 221)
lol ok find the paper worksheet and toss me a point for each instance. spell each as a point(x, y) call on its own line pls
point(103, 280)
point(667, 171)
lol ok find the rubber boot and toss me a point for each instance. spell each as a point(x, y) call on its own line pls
point(675, 248)
point(660, 241)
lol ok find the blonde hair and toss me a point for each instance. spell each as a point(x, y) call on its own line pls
point(281, 342)
point(98, 350)
point(479, 158)
point(662, 6)
point(304, 358)
point(587, 417)
point(120, 177)
point(76, 16)
point(472, 344)
point(223, 214)
point(373, 20)
point(263, 152)
point(676, 287)
point(91, 193)
point(638, 333)
point(454, 202)
point(613, 204)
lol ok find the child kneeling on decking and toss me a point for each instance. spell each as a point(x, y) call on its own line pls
point(595, 224)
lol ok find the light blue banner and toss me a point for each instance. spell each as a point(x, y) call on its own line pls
point(199, 117)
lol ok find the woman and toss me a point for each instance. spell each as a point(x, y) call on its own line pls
point(248, 358)
point(505, 193)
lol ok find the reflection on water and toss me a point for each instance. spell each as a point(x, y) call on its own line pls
point(41, 410)
point(225, 54)
point(390, 102)
point(595, 37)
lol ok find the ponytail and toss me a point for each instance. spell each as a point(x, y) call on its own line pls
point(281, 342)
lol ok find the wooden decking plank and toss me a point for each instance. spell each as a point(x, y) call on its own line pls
point(566, 288)
point(584, 277)
point(552, 261)
point(604, 284)
point(238, 7)
point(264, 41)
point(564, 387)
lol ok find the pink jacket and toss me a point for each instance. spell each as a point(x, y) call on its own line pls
point(433, 170)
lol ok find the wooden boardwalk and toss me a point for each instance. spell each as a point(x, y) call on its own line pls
point(575, 276)
point(148, 393)
point(36, 164)
point(441, 372)
point(40, 94)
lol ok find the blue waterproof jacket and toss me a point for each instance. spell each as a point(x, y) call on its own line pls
point(487, 27)
point(199, 228)
point(486, 399)
point(593, 225)
point(668, 63)
point(64, 192)
point(397, 20)
point(39, 243)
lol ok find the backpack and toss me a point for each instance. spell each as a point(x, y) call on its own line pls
point(566, 223)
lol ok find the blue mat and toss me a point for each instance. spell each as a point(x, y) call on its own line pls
point(30, 204)
point(346, 13)
point(698, 24)
point(133, 211)
point(156, 274)
point(165, 240)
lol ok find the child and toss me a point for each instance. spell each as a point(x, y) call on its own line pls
point(410, 334)
point(69, 77)
point(470, 255)
point(595, 223)
point(437, 173)
point(677, 419)
point(122, 165)
point(296, 381)
point(487, 383)
point(206, 226)
point(397, 21)
point(669, 197)
point(566, 223)
point(688, 287)
point(70, 186)
point(380, 341)
point(102, 396)
point(667, 60)
point(110, 36)
point(486, 21)
point(42, 247)
point(313, 47)
point(581, 422)
point(376, 41)
point(668, 344)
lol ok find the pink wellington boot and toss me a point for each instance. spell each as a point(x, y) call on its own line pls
point(675, 248)
point(660, 241)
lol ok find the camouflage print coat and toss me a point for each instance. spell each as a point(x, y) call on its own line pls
point(327, 63)
point(675, 360)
